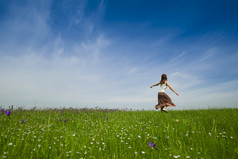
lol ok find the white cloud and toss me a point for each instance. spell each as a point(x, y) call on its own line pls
point(218, 95)
point(45, 70)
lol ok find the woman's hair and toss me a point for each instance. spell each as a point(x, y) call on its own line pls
point(163, 78)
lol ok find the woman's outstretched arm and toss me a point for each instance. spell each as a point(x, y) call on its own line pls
point(155, 85)
point(171, 88)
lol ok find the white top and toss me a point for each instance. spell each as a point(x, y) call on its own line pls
point(162, 87)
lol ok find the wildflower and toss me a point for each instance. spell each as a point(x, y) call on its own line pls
point(143, 128)
point(142, 152)
point(60, 120)
point(152, 145)
point(10, 144)
point(8, 112)
point(66, 120)
point(23, 120)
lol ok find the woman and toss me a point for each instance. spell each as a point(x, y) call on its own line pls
point(163, 99)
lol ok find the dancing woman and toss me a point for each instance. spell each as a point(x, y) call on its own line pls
point(163, 99)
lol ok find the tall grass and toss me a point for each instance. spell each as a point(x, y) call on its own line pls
point(97, 133)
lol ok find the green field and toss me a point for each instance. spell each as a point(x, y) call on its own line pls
point(104, 133)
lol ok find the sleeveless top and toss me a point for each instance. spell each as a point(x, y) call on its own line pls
point(162, 87)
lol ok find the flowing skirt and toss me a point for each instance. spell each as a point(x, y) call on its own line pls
point(163, 100)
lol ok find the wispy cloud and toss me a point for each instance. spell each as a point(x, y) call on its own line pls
point(48, 60)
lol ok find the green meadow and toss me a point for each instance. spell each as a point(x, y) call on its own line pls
point(105, 133)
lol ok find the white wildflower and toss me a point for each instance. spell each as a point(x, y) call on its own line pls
point(177, 156)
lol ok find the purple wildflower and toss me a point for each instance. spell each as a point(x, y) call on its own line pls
point(8, 112)
point(60, 120)
point(143, 128)
point(23, 121)
point(152, 145)
point(66, 120)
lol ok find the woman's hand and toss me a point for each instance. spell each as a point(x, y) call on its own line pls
point(176, 93)
point(151, 86)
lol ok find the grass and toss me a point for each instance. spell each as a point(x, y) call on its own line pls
point(97, 133)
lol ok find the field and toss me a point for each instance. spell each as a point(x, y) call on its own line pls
point(105, 133)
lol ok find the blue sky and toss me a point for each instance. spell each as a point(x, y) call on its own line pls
point(56, 53)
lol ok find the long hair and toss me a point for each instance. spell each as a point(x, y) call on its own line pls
point(163, 78)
